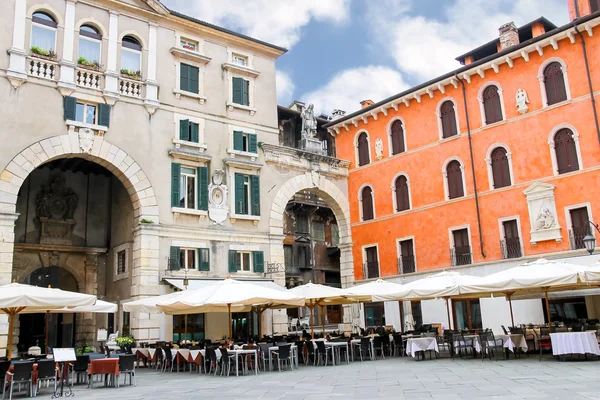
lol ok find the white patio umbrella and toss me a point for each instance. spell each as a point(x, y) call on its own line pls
point(365, 293)
point(16, 298)
point(148, 304)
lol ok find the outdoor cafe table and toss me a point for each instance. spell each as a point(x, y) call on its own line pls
point(513, 340)
point(415, 345)
point(237, 354)
point(574, 343)
point(293, 350)
point(104, 366)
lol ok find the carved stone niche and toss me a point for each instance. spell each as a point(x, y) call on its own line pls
point(542, 213)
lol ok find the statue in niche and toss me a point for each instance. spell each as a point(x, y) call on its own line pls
point(217, 198)
point(379, 148)
point(522, 101)
point(309, 122)
point(545, 219)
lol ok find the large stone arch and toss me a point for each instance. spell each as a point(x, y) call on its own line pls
point(338, 202)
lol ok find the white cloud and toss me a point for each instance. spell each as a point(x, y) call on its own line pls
point(273, 21)
point(347, 88)
point(285, 87)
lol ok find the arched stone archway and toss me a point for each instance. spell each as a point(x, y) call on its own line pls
point(338, 203)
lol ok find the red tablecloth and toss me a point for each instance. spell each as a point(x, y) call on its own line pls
point(103, 366)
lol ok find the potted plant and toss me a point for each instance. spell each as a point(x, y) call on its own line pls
point(84, 63)
point(42, 53)
point(135, 75)
point(84, 349)
point(125, 341)
point(189, 47)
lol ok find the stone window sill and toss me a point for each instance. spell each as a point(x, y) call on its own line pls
point(184, 143)
point(241, 68)
point(178, 93)
point(120, 277)
point(94, 127)
point(243, 217)
point(233, 153)
point(189, 211)
point(231, 106)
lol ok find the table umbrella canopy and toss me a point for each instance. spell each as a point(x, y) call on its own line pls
point(366, 292)
point(148, 305)
point(101, 307)
point(315, 294)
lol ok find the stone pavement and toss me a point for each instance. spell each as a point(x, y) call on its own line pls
point(392, 378)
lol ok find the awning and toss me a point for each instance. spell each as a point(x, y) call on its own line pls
point(199, 283)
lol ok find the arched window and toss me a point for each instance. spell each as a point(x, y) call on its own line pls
point(43, 32)
point(455, 180)
point(402, 195)
point(500, 168)
point(448, 118)
point(131, 55)
point(397, 136)
point(491, 105)
point(566, 151)
point(366, 196)
point(554, 83)
point(90, 44)
point(363, 149)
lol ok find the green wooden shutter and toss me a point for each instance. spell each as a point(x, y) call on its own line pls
point(237, 84)
point(245, 92)
point(184, 77)
point(194, 132)
point(104, 114)
point(238, 140)
point(69, 104)
point(194, 77)
point(203, 188)
point(203, 259)
point(255, 194)
point(184, 129)
point(252, 143)
point(233, 267)
point(175, 177)
point(240, 204)
point(259, 261)
point(174, 258)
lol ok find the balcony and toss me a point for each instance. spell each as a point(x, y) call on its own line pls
point(131, 87)
point(90, 79)
point(576, 236)
point(406, 265)
point(371, 270)
point(511, 248)
point(460, 255)
point(42, 68)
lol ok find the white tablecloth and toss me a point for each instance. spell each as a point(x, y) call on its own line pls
point(421, 344)
point(574, 343)
point(142, 351)
point(513, 340)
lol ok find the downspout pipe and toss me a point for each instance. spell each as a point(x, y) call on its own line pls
point(464, 92)
point(587, 70)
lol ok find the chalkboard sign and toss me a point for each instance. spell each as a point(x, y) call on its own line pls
point(64, 355)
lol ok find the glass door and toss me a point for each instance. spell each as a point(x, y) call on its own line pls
point(467, 314)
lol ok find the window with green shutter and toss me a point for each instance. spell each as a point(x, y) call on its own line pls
point(238, 141)
point(233, 261)
point(69, 105)
point(240, 93)
point(255, 194)
point(244, 141)
point(194, 135)
point(245, 92)
point(104, 114)
point(189, 77)
point(241, 189)
point(252, 143)
point(184, 129)
point(259, 261)
point(203, 188)
point(175, 176)
point(204, 259)
point(174, 255)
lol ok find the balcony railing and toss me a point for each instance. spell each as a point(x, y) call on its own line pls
point(371, 270)
point(511, 248)
point(130, 87)
point(406, 265)
point(42, 68)
point(88, 78)
point(576, 236)
point(460, 255)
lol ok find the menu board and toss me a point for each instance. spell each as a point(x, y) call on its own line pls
point(64, 355)
point(102, 335)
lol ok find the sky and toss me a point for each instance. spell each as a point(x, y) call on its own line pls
point(345, 51)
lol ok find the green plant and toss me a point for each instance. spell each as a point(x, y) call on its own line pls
point(146, 221)
point(83, 61)
point(125, 340)
point(260, 144)
point(132, 74)
point(84, 348)
point(43, 52)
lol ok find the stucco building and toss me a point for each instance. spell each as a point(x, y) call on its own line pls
point(481, 169)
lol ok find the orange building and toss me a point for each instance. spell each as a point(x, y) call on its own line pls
point(488, 166)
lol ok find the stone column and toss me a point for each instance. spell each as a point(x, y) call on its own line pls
point(111, 88)
point(276, 256)
point(151, 101)
point(17, 73)
point(67, 65)
point(86, 323)
point(351, 312)
point(7, 247)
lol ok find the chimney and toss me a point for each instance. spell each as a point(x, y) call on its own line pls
point(337, 113)
point(366, 103)
point(297, 106)
point(537, 29)
point(509, 35)
point(581, 8)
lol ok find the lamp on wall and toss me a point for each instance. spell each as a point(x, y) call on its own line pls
point(589, 240)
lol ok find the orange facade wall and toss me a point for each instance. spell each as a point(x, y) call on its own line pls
point(526, 137)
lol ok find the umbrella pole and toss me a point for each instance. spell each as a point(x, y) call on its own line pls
point(512, 318)
point(312, 321)
point(548, 308)
point(323, 319)
point(47, 315)
point(185, 327)
point(11, 320)
point(229, 311)
point(448, 312)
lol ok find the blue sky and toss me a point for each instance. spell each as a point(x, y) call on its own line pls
point(345, 51)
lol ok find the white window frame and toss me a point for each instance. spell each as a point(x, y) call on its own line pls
point(184, 93)
point(393, 187)
point(231, 52)
point(399, 250)
point(233, 215)
point(543, 86)
point(230, 150)
point(140, 39)
point(246, 72)
point(89, 39)
point(195, 250)
point(201, 145)
point(116, 250)
point(240, 253)
point(503, 234)
point(183, 41)
point(445, 178)
point(488, 161)
point(54, 15)
point(568, 220)
point(553, 132)
point(451, 240)
point(235, 57)
point(438, 114)
point(360, 202)
point(356, 148)
point(482, 108)
point(389, 135)
point(185, 207)
point(364, 258)
point(86, 105)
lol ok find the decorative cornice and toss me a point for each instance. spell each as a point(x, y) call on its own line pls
point(190, 55)
point(305, 161)
point(241, 69)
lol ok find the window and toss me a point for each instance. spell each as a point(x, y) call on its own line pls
point(191, 325)
point(241, 90)
point(90, 44)
point(371, 266)
point(402, 194)
point(335, 235)
point(500, 168)
point(189, 187)
point(302, 222)
point(374, 314)
point(246, 261)
point(243, 141)
point(188, 130)
point(239, 60)
point(366, 198)
point(461, 249)
point(565, 150)
point(43, 32)
point(247, 194)
point(448, 119)
point(121, 262)
point(86, 113)
point(318, 231)
point(189, 258)
point(454, 180)
point(126, 323)
point(288, 256)
point(397, 137)
point(363, 149)
point(554, 83)
point(243, 261)
point(188, 44)
point(580, 227)
point(511, 244)
point(303, 256)
point(188, 78)
point(491, 105)
point(406, 260)
point(131, 56)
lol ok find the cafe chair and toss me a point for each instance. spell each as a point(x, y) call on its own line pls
point(210, 359)
point(461, 345)
point(80, 368)
point(47, 372)
point(21, 375)
point(310, 352)
point(283, 354)
point(4, 367)
point(365, 346)
point(264, 355)
point(226, 360)
point(127, 367)
point(542, 340)
point(322, 351)
point(378, 345)
point(489, 345)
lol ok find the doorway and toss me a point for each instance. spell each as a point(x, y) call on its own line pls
point(467, 314)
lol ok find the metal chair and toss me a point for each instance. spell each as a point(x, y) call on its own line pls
point(542, 339)
point(398, 344)
point(81, 368)
point(504, 329)
point(264, 355)
point(210, 358)
point(127, 367)
point(378, 345)
point(365, 345)
point(310, 352)
point(322, 351)
point(489, 345)
point(283, 354)
point(226, 358)
point(47, 372)
point(460, 343)
point(21, 375)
